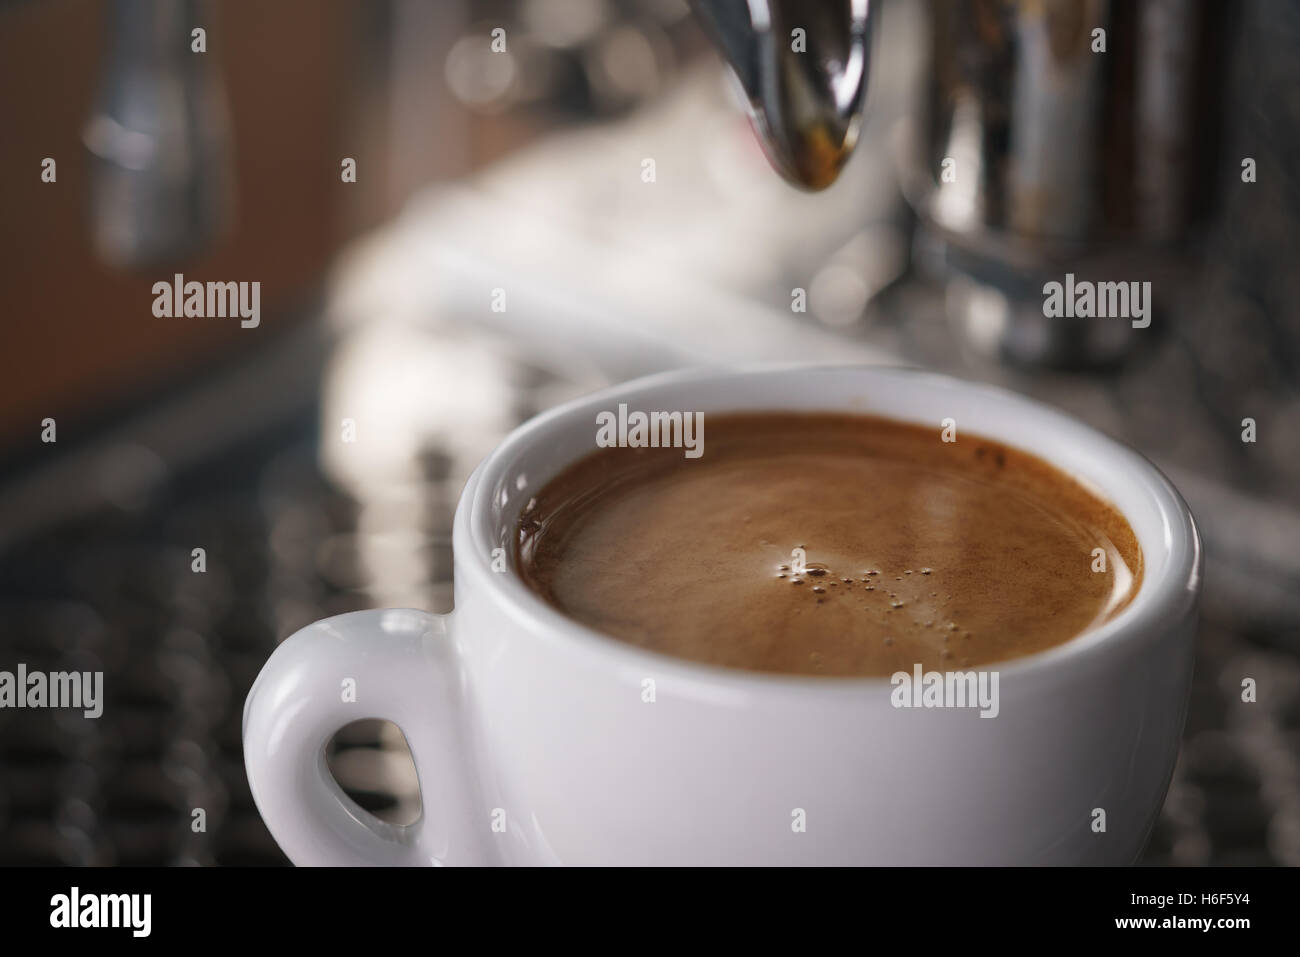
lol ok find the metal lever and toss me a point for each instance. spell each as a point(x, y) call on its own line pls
point(161, 179)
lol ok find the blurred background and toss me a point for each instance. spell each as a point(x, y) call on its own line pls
point(506, 245)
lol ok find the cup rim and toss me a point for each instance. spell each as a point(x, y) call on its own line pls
point(1156, 607)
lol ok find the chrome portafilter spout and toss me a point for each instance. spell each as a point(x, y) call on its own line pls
point(803, 65)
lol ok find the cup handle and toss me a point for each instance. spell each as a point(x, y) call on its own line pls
point(396, 664)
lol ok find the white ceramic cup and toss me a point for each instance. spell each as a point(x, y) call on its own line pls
point(534, 742)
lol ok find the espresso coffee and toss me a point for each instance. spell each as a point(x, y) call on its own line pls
point(829, 544)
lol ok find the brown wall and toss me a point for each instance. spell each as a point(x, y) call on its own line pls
point(79, 337)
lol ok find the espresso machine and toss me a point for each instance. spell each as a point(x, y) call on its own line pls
point(655, 183)
point(1060, 137)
